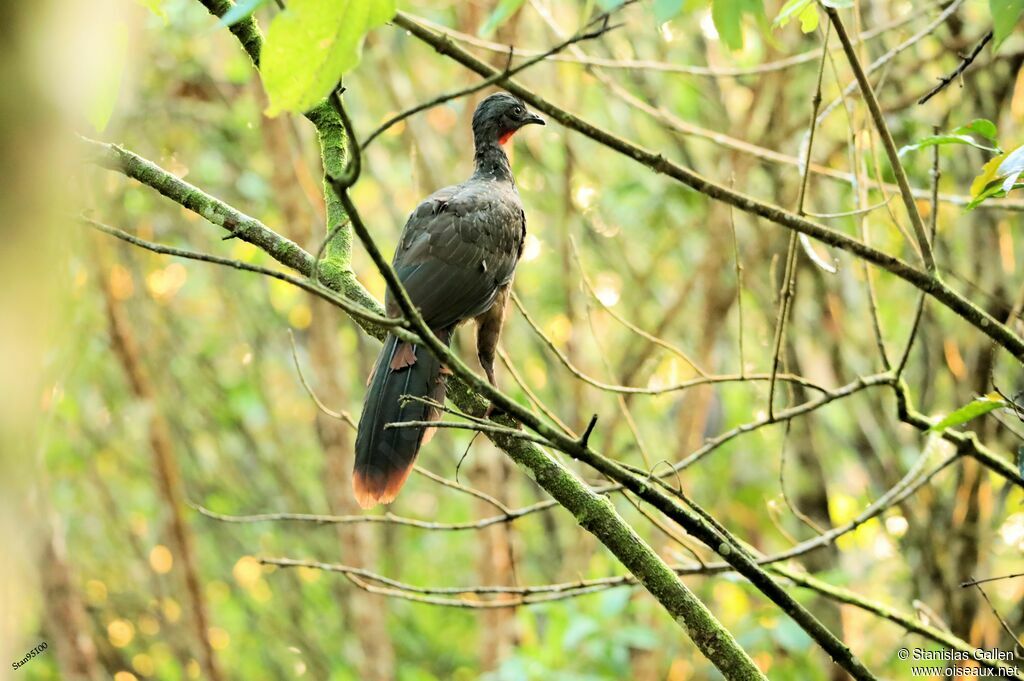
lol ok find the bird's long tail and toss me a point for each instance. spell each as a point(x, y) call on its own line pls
point(385, 456)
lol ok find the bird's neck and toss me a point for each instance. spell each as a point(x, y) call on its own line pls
point(491, 162)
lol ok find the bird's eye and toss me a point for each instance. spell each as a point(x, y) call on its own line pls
point(518, 111)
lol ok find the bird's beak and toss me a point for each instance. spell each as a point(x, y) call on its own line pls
point(533, 118)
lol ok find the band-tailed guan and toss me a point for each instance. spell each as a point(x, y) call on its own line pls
point(456, 258)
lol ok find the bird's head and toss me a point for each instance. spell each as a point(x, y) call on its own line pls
point(499, 116)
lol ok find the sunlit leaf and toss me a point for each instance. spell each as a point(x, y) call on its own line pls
point(1013, 164)
point(938, 140)
point(809, 19)
point(793, 8)
point(1005, 16)
point(987, 175)
point(979, 126)
point(999, 176)
point(311, 44)
point(972, 410)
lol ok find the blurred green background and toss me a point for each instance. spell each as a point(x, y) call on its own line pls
point(93, 564)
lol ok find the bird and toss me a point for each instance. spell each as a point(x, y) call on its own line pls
point(456, 258)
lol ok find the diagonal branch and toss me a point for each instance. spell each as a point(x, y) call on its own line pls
point(887, 142)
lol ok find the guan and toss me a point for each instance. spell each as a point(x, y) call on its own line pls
point(456, 258)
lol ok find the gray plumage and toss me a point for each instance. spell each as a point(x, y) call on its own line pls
point(456, 258)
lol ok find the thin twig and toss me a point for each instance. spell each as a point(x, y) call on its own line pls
point(887, 142)
point(669, 67)
point(964, 63)
point(327, 294)
point(788, 289)
point(340, 415)
point(635, 390)
point(586, 33)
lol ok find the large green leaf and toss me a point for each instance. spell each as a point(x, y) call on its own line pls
point(311, 44)
point(1005, 15)
point(972, 410)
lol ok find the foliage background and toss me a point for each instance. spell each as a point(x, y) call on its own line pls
point(246, 438)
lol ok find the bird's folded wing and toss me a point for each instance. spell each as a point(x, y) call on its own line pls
point(458, 247)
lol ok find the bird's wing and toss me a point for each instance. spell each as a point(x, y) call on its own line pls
point(458, 248)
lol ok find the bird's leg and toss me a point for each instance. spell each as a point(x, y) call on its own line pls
point(487, 333)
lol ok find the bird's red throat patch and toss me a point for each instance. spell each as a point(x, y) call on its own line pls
point(505, 136)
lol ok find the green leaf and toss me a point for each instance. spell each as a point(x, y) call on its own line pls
point(809, 19)
point(972, 410)
point(793, 8)
point(311, 44)
point(981, 127)
point(501, 14)
point(994, 192)
point(1005, 15)
point(936, 140)
point(987, 175)
point(998, 177)
point(108, 79)
point(727, 16)
point(243, 9)
point(667, 10)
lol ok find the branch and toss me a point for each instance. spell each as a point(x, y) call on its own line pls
point(887, 142)
point(704, 379)
point(924, 281)
point(586, 33)
point(964, 63)
point(429, 595)
point(668, 67)
point(911, 624)
point(348, 306)
point(694, 520)
point(593, 512)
